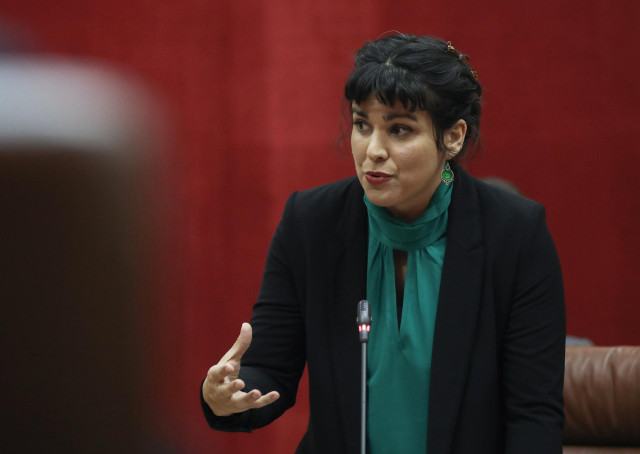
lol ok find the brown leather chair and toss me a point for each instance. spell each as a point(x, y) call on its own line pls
point(602, 400)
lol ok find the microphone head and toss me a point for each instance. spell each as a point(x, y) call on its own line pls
point(364, 313)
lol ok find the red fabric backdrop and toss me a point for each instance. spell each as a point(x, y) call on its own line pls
point(253, 88)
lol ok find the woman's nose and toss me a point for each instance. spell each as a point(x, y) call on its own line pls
point(377, 148)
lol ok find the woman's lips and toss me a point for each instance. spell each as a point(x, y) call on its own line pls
point(377, 177)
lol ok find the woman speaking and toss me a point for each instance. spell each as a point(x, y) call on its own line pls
point(466, 351)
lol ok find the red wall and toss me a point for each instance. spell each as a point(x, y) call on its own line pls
point(253, 88)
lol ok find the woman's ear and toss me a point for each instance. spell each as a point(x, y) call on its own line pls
point(454, 137)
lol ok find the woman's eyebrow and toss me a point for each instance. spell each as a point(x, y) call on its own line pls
point(360, 113)
point(393, 116)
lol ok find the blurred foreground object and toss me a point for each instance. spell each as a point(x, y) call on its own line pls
point(73, 146)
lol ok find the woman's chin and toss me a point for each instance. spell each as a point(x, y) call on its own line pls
point(378, 199)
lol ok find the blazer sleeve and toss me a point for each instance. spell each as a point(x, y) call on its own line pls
point(534, 346)
point(277, 355)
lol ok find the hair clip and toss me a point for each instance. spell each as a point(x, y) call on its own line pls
point(461, 57)
point(450, 48)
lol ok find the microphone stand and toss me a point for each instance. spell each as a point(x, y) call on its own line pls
point(363, 401)
point(364, 326)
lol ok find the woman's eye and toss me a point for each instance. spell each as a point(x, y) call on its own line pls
point(399, 130)
point(360, 125)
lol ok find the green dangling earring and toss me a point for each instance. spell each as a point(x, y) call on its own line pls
point(447, 174)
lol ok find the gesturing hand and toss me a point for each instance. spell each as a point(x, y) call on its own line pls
point(222, 387)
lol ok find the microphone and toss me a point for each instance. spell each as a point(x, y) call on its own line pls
point(364, 320)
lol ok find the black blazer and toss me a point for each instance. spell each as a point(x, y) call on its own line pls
point(498, 355)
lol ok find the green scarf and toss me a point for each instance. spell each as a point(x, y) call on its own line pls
point(400, 358)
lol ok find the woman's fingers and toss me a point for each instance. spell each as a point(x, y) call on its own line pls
point(219, 372)
point(222, 389)
point(267, 399)
point(240, 346)
point(228, 367)
point(230, 388)
point(253, 399)
point(229, 401)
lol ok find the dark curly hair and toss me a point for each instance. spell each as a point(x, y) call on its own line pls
point(423, 73)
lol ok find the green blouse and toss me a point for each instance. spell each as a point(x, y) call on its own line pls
point(400, 357)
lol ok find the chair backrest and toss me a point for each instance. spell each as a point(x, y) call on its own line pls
point(602, 396)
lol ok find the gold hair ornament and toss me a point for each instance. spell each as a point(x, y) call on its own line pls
point(461, 57)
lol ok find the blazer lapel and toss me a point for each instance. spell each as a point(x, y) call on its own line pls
point(347, 258)
point(458, 304)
